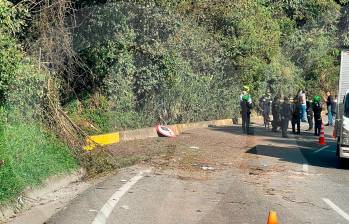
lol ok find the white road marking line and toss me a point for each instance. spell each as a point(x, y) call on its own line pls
point(320, 149)
point(103, 214)
point(336, 208)
point(305, 167)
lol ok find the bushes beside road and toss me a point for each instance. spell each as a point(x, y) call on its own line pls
point(30, 154)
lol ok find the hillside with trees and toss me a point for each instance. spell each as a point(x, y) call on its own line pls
point(69, 68)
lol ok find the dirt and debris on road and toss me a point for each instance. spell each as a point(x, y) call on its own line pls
point(217, 149)
point(193, 153)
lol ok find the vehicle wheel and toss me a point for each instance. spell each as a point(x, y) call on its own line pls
point(342, 162)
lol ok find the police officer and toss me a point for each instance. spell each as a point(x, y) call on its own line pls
point(275, 110)
point(317, 114)
point(296, 116)
point(246, 92)
point(310, 115)
point(285, 116)
point(246, 106)
point(265, 105)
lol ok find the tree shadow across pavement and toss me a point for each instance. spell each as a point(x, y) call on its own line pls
point(258, 131)
point(300, 148)
point(237, 130)
point(310, 142)
point(325, 158)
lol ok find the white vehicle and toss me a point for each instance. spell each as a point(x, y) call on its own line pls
point(342, 116)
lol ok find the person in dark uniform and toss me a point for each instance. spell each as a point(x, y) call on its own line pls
point(275, 110)
point(266, 110)
point(310, 115)
point(246, 106)
point(296, 116)
point(285, 116)
point(317, 114)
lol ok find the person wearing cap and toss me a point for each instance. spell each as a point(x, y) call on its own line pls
point(246, 106)
point(317, 114)
point(246, 92)
point(285, 116)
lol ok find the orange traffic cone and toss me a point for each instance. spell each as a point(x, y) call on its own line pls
point(272, 218)
point(322, 134)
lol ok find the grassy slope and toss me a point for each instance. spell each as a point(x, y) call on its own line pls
point(30, 155)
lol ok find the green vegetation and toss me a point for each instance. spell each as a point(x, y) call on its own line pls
point(91, 66)
point(30, 155)
point(155, 61)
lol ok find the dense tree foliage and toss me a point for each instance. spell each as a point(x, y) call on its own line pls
point(131, 63)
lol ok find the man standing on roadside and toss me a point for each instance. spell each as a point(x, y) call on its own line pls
point(303, 101)
point(310, 115)
point(246, 106)
point(275, 110)
point(266, 110)
point(329, 104)
point(285, 116)
point(317, 114)
point(334, 109)
point(296, 116)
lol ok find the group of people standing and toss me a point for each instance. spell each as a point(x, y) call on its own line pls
point(295, 109)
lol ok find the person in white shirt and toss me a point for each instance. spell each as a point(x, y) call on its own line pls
point(303, 101)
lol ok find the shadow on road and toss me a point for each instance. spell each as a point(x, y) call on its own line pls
point(304, 150)
point(301, 142)
point(325, 158)
point(259, 131)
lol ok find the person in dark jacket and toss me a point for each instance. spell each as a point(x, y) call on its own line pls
point(296, 116)
point(246, 106)
point(266, 111)
point(317, 114)
point(275, 110)
point(310, 115)
point(329, 104)
point(285, 116)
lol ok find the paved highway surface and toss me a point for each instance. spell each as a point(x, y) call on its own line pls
point(237, 179)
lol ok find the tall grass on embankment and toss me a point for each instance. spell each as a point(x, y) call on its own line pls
point(28, 155)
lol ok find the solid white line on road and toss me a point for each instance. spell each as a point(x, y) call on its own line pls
point(103, 214)
point(305, 167)
point(336, 208)
point(320, 149)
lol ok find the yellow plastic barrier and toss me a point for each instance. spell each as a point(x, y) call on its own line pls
point(106, 139)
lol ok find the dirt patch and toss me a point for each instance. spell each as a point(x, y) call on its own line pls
point(200, 154)
point(193, 154)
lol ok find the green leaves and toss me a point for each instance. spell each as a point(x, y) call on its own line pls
point(10, 59)
point(163, 60)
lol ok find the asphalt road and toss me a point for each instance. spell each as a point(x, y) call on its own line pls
point(244, 177)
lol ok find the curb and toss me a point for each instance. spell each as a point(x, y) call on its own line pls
point(36, 196)
point(143, 133)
